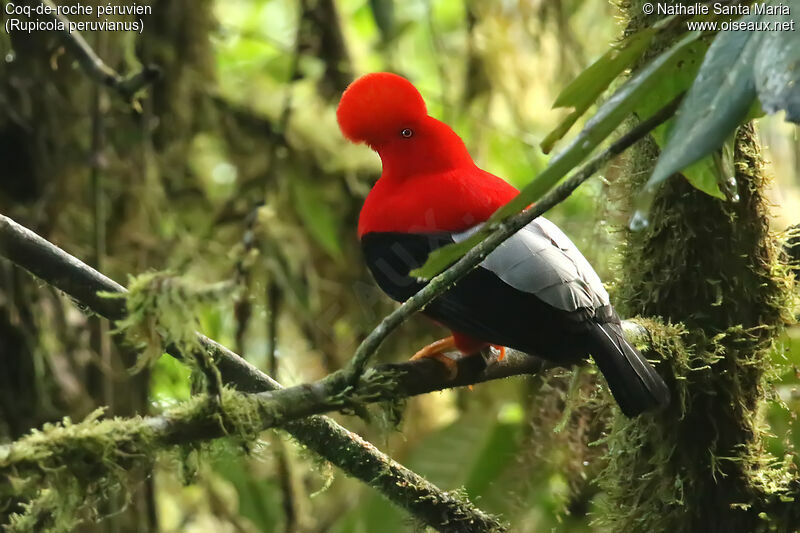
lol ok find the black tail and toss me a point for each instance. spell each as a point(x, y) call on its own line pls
point(634, 383)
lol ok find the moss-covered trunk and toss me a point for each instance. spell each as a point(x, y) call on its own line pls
point(707, 272)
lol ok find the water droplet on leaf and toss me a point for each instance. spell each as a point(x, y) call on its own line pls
point(638, 221)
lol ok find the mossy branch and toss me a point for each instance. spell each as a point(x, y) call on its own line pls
point(132, 440)
point(95, 448)
point(355, 456)
point(95, 67)
point(250, 413)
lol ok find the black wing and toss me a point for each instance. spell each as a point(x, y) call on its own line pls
point(488, 307)
point(535, 293)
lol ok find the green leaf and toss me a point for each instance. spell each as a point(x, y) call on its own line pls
point(470, 453)
point(597, 129)
point(497, 454)
point(777, 66)
point(584, 90)
point(561, 129)
point(705, 176)
point(383, 13)
point(676, 80)
point(720, 97)
point(316, 216)
point(259, 499)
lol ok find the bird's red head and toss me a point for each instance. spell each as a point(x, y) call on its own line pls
point(429, 181)
point(387, 113)
point(378, 106)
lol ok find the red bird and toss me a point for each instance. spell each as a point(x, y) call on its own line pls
point(535, 293)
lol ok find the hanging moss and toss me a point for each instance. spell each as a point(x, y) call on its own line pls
point(162, 309)
point(63, 471)
point(52, 510)
point(68, 467)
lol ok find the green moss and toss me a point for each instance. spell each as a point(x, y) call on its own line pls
point(62, 472)
point(162, 310)
point(52, 510)
point(70, 468)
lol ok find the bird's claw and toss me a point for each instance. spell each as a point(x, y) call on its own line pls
point(437, 350)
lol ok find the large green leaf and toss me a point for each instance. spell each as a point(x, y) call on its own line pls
point(675, 79)
point(777, 65)
point(496, 456)
point(584, 90)
point(259, 499)
point(471, 453)
point(720, 97)
point(619, 106)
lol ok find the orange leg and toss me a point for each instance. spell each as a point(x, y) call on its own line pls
point(436, 350)
point(502, 350)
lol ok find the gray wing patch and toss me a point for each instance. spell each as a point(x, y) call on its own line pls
point(541, 260)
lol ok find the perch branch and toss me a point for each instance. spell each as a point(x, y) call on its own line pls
point(255, 412)
point(96, 68)
point(284, 406)
point(354, 455)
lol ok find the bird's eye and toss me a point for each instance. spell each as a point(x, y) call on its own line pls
point(407, 132)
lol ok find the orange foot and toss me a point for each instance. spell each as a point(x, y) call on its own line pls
point(501, 349)
point(436, 350)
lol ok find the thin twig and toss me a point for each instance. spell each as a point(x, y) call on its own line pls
point(505, 229)
point(345, 449)
point(96, 68)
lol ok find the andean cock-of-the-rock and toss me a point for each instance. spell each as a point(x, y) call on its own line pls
point(535, 293)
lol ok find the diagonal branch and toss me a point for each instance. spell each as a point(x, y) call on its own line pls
point(355, 456)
